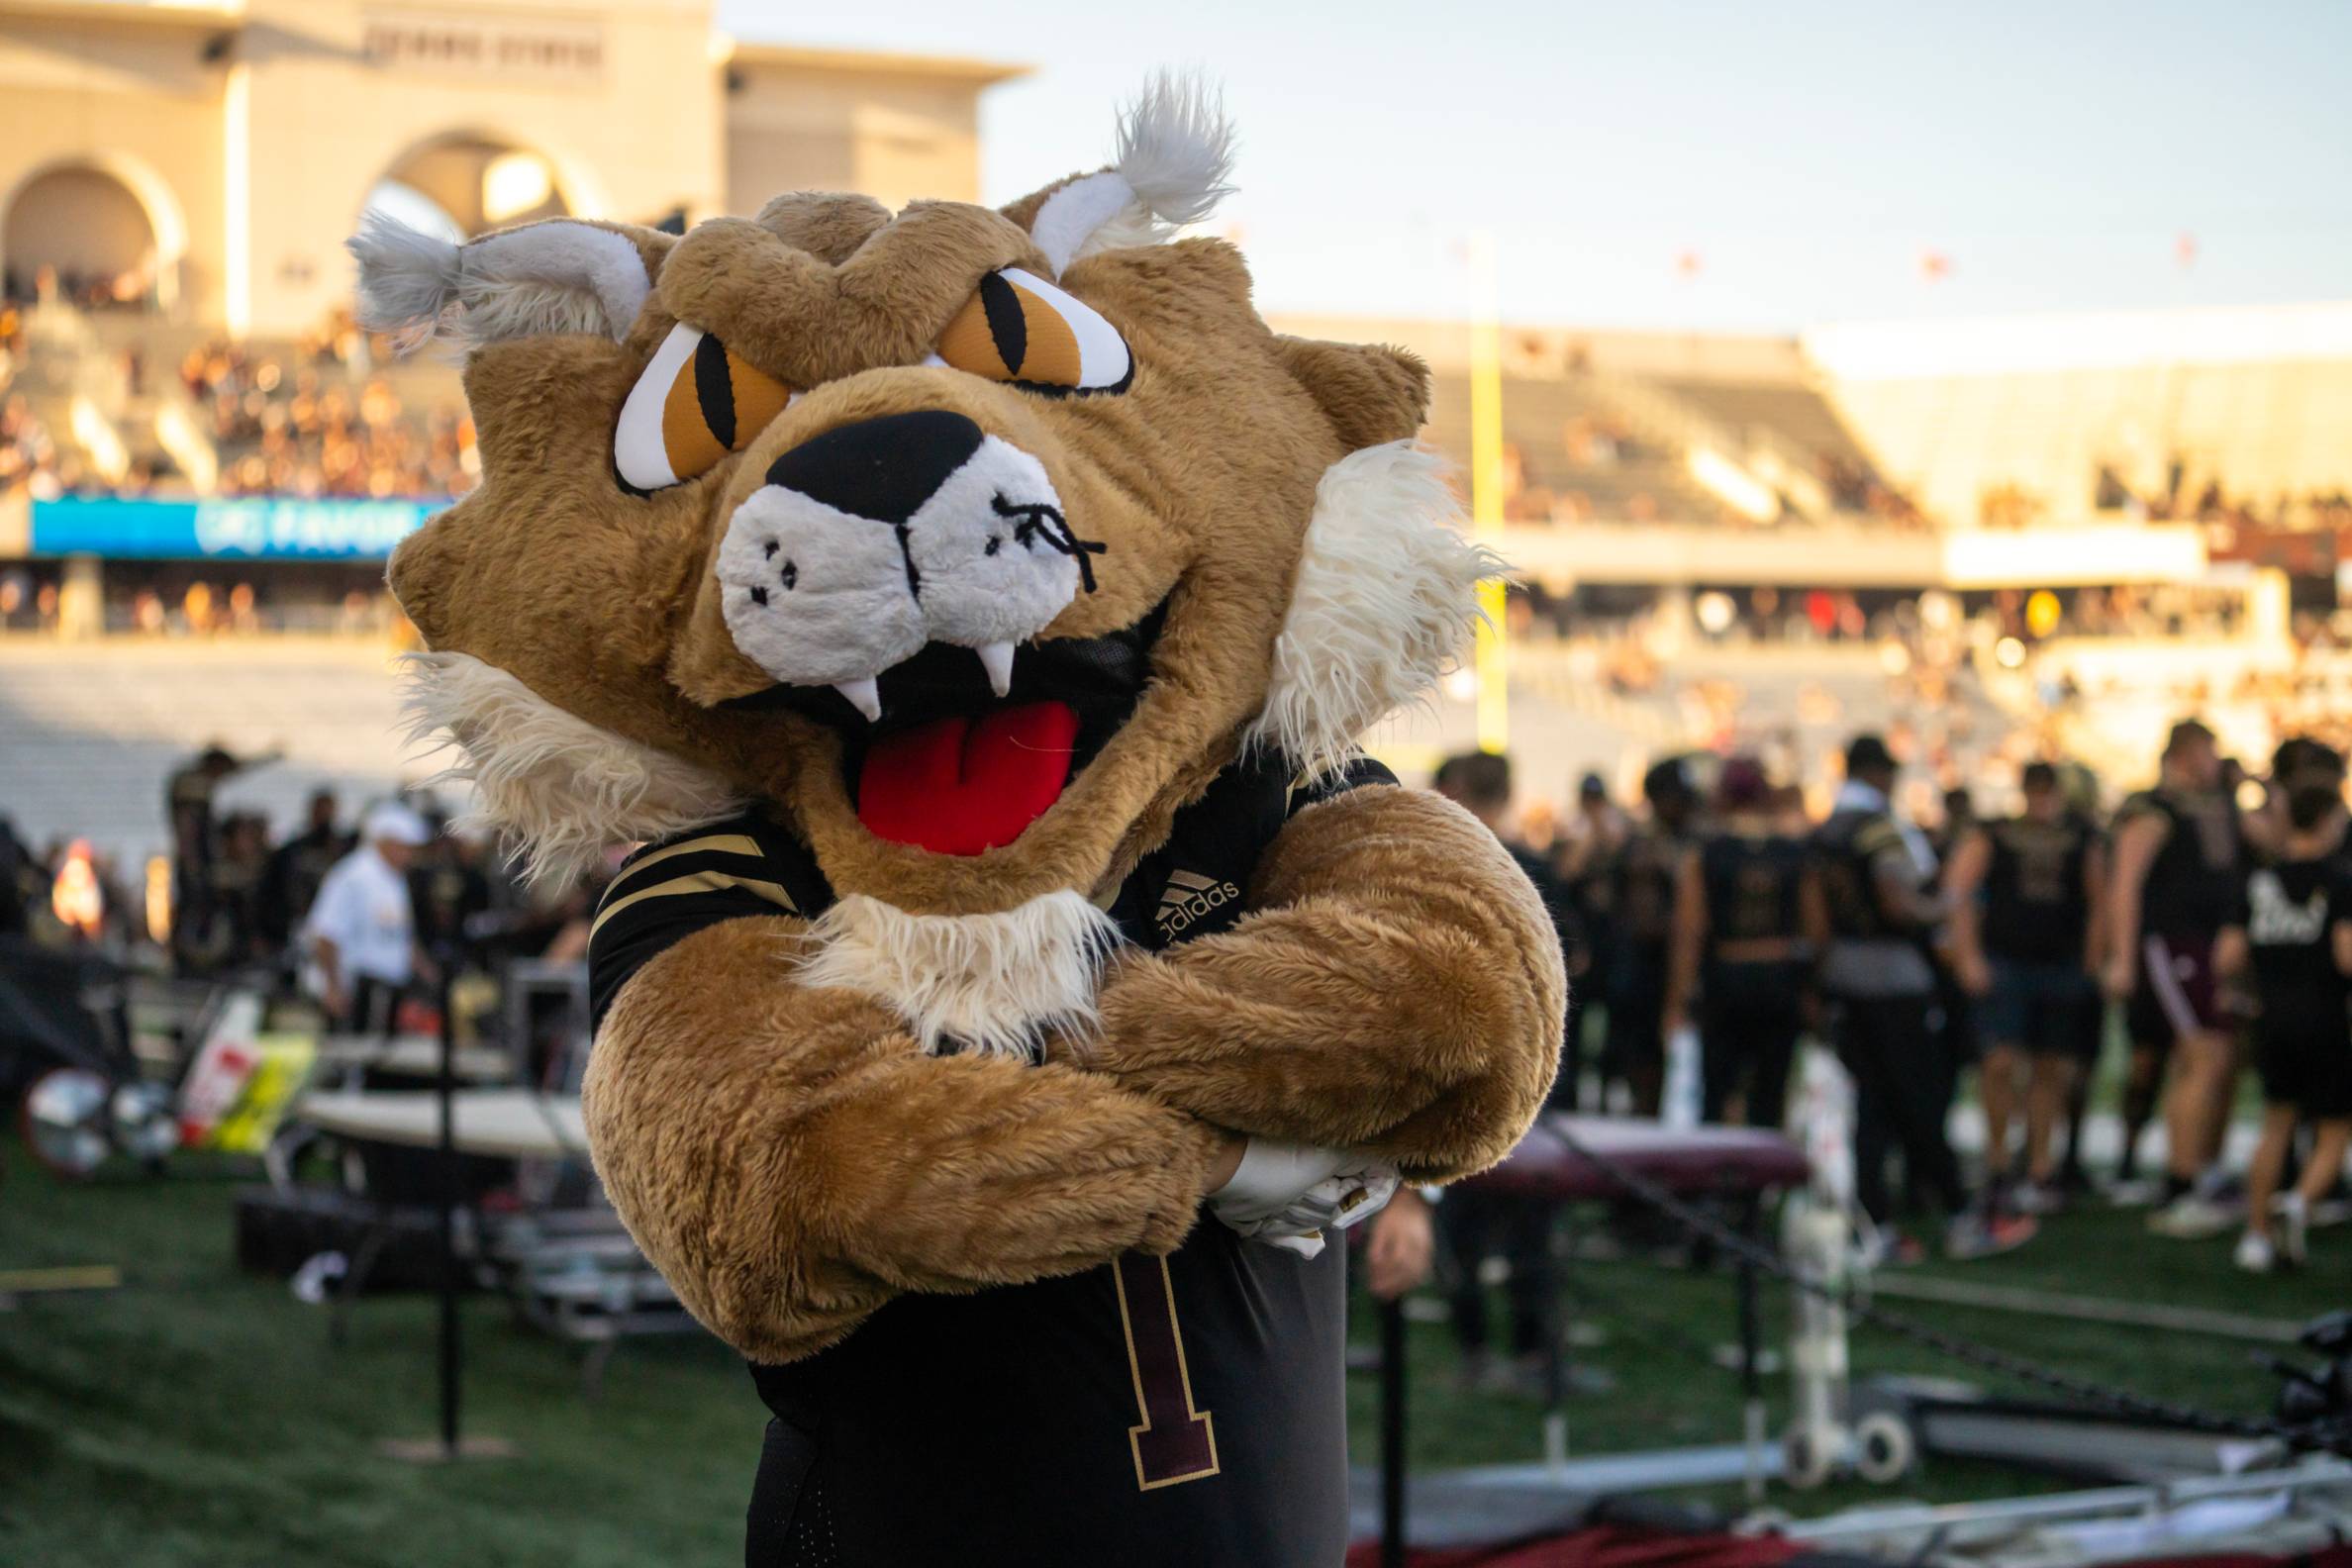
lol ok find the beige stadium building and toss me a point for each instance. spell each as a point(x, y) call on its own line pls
point(216, 156)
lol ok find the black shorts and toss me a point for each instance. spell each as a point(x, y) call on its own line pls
point(2304, 1055)
point(2041, 1008)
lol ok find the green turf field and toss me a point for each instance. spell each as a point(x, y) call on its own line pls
point(200, 1420)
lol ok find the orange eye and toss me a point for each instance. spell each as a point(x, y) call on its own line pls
point(1020, 328)
point(695, 403)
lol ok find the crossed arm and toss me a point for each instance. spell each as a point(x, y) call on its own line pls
point(1396, 990)
point(790, 1160)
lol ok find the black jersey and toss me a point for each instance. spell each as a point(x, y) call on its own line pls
point(1641, 890)
point(2200, 871)
point(1180, 1411)
point(2291, 910)
point(2037, 909)
point(1849, 846)
point(1751, 882)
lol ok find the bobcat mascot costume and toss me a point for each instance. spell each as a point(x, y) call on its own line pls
point(972, 613)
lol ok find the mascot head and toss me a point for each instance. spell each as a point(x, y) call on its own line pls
point(970, 543)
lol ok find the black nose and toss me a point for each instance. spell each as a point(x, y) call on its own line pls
point(882, 469)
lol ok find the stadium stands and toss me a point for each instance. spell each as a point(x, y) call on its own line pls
point(1577, 456)
point(93, 728)
point(131, 404)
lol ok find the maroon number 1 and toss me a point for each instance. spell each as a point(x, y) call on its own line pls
point(1173, 1442)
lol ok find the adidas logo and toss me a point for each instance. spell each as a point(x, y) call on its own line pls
point(1189, 897)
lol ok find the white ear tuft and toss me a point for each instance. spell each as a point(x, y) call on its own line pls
point(1174, 164)
point(553, 276)
point(1386, 595)
point(1176, 149)
point(407, 279)
point(561, 790)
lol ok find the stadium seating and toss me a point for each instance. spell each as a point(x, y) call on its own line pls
point(1537, 417)
point(93, 728)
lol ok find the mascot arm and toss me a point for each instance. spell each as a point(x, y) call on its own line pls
point(790, 1159)
point(1396, 990)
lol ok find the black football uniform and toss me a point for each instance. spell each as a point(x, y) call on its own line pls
point(1752, 983)
point(1641, 910)
point(2196, 878)
point(1178, 1412)
point(2303, 1040)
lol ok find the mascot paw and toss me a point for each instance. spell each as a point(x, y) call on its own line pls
point(1288, 1195)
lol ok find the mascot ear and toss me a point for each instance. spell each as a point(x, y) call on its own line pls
point(557, 275)
point(1371, 393)
point(1174, 158)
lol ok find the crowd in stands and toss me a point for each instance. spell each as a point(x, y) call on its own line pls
point(305, 423)
point(1542, 487)
point(298, 427)
point(2008, 505)
point(80, 287)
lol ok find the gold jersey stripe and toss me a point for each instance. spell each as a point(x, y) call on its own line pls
point(719, 844)
point(698, 882)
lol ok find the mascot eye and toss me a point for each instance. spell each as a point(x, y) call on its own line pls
point(696, 403)
point(1020, 328)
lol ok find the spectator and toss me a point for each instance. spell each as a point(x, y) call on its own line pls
point(1479, 1225)
point(1399, 1246)
point(21, 882)
point(1879, 908)
point(2180, 866)
point(1641, 915)
point(2294, 935)
point(188, 808)
point(299, 865)
point(2026, 899)
point(362, 928)
point(1740, 957)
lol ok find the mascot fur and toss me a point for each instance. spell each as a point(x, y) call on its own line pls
point(973, 612)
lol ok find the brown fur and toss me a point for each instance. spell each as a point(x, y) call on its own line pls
point(828, 224)
point(1371, 393)
point(1200, 479)
point(787, 1155)
point(1397, 988)
point(790, 1160)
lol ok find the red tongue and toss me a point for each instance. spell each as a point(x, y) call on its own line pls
point(955, 786)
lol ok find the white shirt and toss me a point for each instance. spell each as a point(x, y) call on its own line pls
point(363, 909)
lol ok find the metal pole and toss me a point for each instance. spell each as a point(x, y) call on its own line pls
point(445, 1084)
point(1750, 1383)
point(1490, 661)
point(1392, 1433)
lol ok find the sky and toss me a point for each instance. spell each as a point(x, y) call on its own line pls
point(1708, 166)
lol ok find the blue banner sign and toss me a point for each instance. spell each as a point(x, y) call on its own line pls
point(266, 527)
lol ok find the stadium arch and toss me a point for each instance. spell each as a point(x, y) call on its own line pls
point(454, 168)
point(81, 185)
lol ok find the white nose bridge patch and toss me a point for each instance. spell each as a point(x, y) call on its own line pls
point(987, 570)
point(816, 596)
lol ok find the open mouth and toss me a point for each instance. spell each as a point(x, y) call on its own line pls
point(953, 767)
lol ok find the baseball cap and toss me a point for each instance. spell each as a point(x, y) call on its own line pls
point(395, 822)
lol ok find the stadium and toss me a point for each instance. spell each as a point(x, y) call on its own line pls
point(1973, 562)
